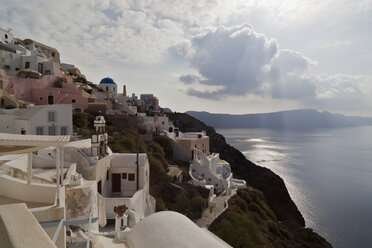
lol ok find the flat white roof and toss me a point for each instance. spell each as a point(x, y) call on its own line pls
point(18, 143)
point(31, 140)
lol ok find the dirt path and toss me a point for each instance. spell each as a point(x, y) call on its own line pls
point(218, 205)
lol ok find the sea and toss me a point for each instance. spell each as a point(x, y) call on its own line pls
point(328, 173)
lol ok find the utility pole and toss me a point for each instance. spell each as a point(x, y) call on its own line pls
point(137, 160)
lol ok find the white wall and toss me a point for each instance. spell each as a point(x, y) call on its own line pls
point(21, 190)
point(126, 163)
point(53, 67)
point(141, 202)
point(180, 152)
point(63, 118)
point(6, 123)
point(12, 121)
point(201, 167)
point(113, 88)
point(6, 37)
point(13, 60)
point(34, 61)
point(164, 123)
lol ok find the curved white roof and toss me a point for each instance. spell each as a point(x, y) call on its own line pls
point(170, 229)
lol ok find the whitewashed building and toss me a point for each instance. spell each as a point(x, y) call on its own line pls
point(184, 143)
point(108, 84)
point(121, 178)
point(53, 119)
point(35, 183)
point(27, 56)
point(213, 173)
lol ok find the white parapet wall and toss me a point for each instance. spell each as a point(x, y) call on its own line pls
point(140, 205)
point(20, 190)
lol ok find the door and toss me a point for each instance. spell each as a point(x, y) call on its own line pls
point(50, 99)
point(116, 182)
point(99, 186)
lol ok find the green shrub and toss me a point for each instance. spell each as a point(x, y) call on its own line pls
point(86, 133)
point(182, 202)
point(242, 204)
point(160, 205)
point(79, 120)
point(165, 143)
point(197, 203)
point(128, 144)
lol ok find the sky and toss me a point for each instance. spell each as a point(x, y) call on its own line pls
point(220, 56)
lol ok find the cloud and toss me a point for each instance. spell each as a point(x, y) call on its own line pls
point(344, 92)
point(240, 61)
point(234, 58)
point(131, 31)
point(243, 61)
point(100, 36)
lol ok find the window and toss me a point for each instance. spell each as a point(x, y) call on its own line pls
point(114, 88)
point(47, 72)
point(77, 110)
point(53, 54)
point(131, 177)
point(6, 67)
point(27, 65)
point(162, 122)
point(52, 130)
point(51, 116)
point(17, 69)
point(6, 36)
point(123, 175)
point(39, 130)
point(73, 100)
point(41, 98)
point(40, 67)
point(107, 88)
point(63, 130)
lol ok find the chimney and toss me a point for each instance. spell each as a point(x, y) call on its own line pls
point(124, 90)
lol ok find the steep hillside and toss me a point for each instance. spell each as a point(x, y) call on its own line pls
point(249, 222)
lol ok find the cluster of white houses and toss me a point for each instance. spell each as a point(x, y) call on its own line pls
point(50, 182)
point(91, 180)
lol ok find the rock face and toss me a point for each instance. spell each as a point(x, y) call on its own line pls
point(258, 177)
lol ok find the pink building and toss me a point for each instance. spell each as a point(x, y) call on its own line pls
point(41, 91)
point(21, 88)
point(78, 98)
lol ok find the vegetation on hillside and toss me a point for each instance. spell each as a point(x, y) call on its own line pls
point(256, 176)
point(249, 222)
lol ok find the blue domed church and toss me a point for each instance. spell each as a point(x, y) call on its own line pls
point(108, 85)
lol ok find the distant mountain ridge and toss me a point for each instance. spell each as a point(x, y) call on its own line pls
point(291, 119)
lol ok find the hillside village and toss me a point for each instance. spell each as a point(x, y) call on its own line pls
point(83, 163)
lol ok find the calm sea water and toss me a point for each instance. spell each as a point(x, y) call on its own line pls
point(328, 173)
